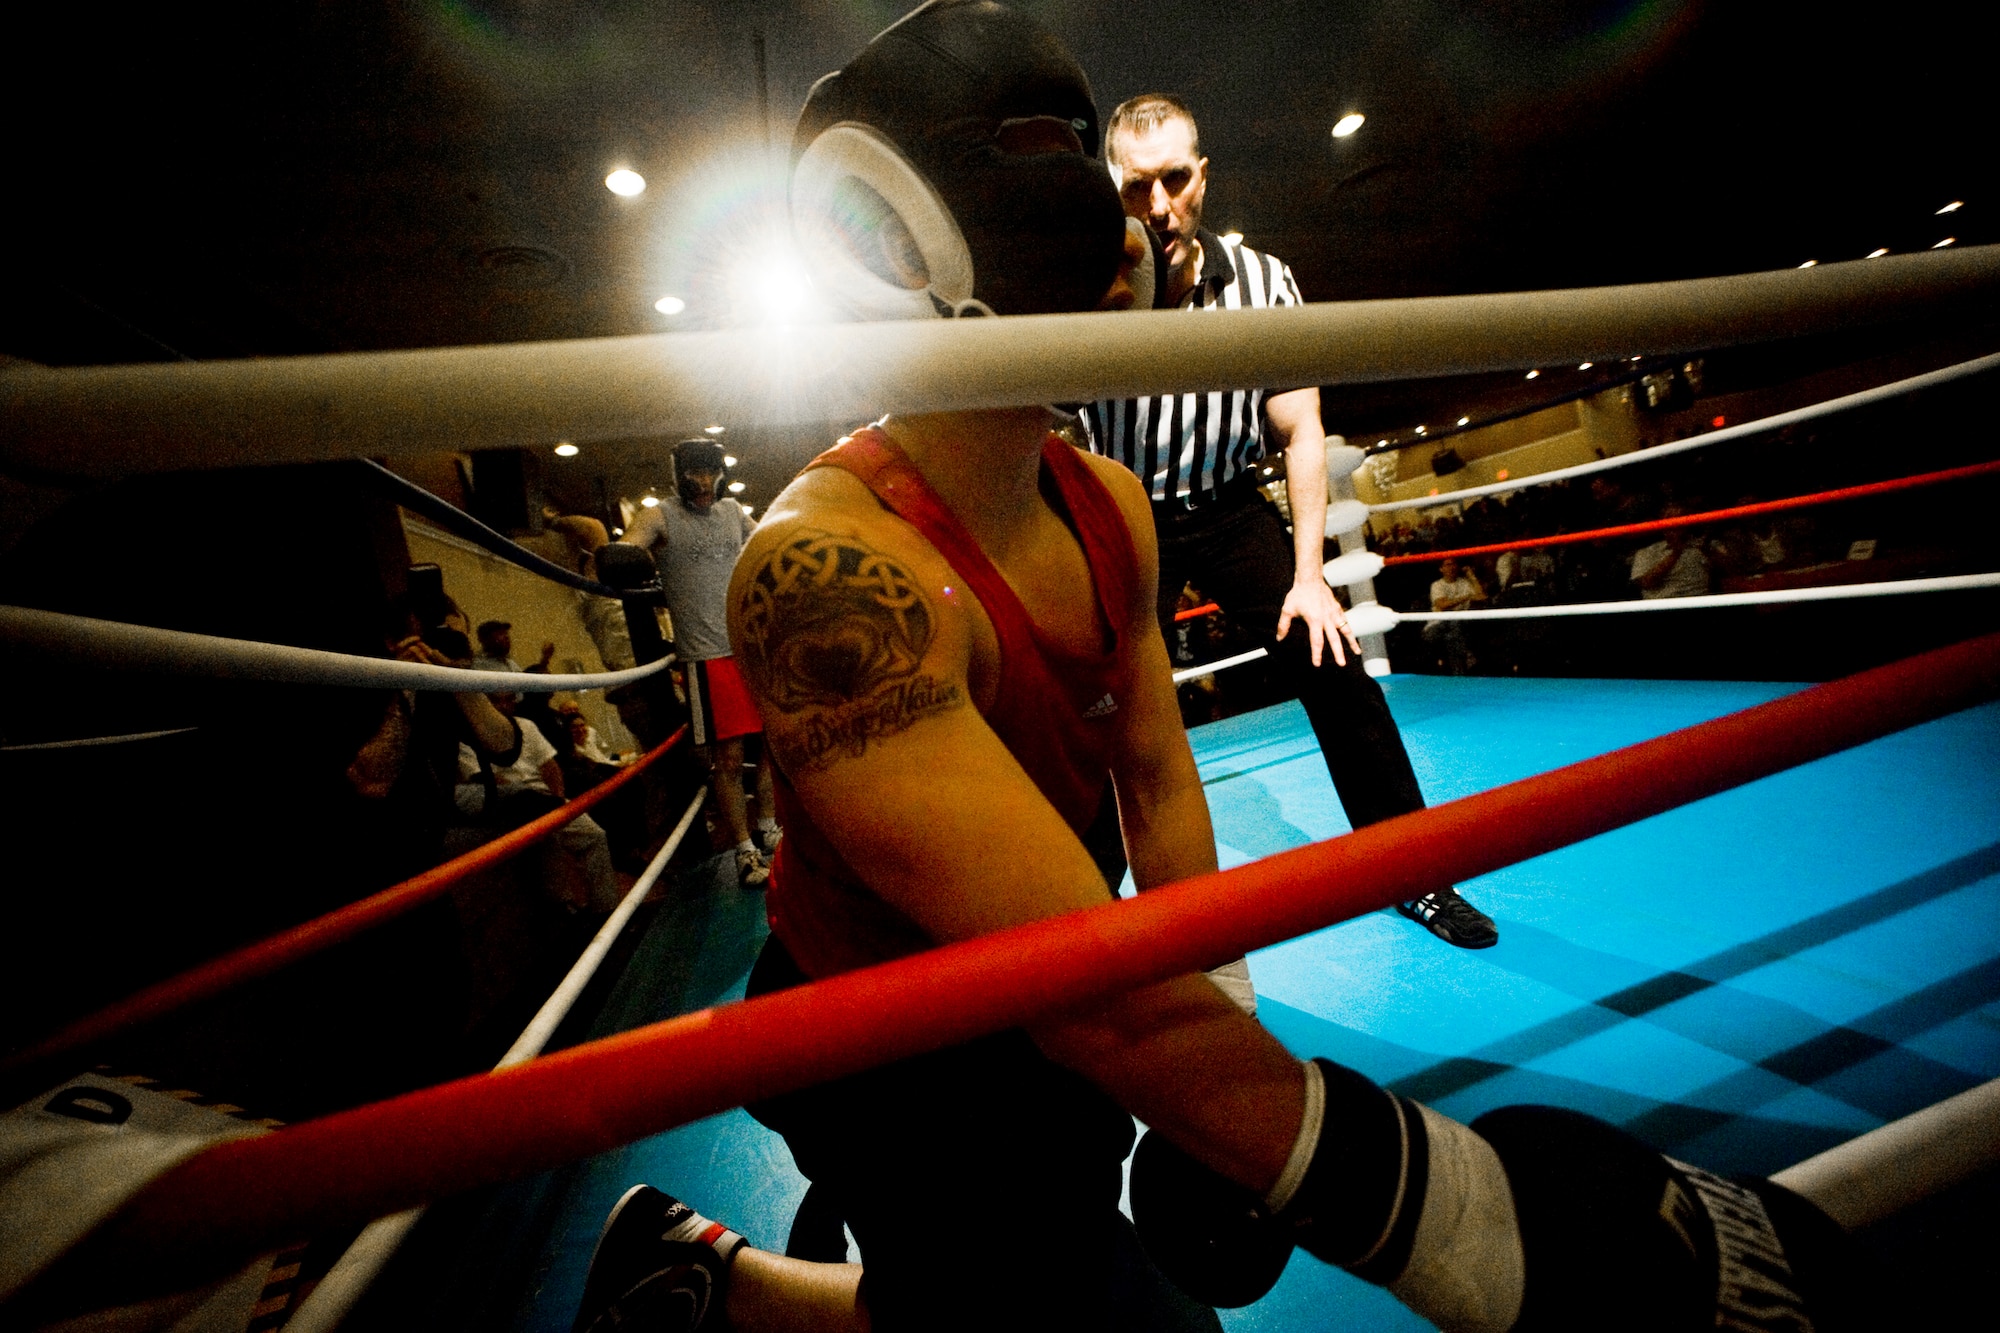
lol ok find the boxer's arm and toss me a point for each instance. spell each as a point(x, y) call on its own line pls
point(648, 528)
point(1161, 809)
point(853, 634)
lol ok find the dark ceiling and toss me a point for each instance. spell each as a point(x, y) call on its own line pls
point(211, 181)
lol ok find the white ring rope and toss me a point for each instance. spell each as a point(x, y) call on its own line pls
point(88, 741)
point(1845, 402)
point(1886, 1170)
point(112, 420)
point(108, 643)
point(1191, 672)
point(1374, 618)
point(349, 1278)
point(1887, 588)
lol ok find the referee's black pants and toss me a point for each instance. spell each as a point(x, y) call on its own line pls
point(1240, 556)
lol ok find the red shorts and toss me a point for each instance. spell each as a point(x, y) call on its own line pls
point(720, 702)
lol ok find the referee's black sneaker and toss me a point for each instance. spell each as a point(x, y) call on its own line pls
point(1452, 919)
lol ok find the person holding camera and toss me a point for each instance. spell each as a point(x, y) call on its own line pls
point(408, 769)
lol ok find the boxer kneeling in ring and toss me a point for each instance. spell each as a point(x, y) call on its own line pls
point(948, 625)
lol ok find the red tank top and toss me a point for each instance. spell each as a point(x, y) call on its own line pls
point(1052, 709)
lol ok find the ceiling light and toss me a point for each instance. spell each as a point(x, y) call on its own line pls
point(1633, 358)
point(1534, 374)
point(1348, 124)
point(1810, 263)
point(713, 430)
point(618, 532)
point(1500, 475)
point(747, 508)
point(1951, 207)
point(1269, 470)
point(1233, 237)
point(670, 305)
point(735, 488)
point(729, 460)
point(565, 450)
point(650, 501)
point(1877, 254)
point(624, 183)
point(1949, 240)
point(1465, 421)
point(1381, 444)
point(1420, 430)
point(1586, 365)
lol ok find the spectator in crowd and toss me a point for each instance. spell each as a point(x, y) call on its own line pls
point(585, 743)
point(496, 642)
point(604, 620)
point(603, 617)
point(587, 763)
point(1674, 566)
point(1611, 505)
point(1456, 589)
point(1735, 552)
point(1200, 639)
point(581, 533)
point(1524, 576)
point(576, 862)
point(407, 769)
point(496, 650)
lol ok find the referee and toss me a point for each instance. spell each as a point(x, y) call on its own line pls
point(1198, 456)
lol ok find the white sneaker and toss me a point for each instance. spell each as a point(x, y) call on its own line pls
point(751, 868)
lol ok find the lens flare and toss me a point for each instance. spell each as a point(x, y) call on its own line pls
point(772, 289)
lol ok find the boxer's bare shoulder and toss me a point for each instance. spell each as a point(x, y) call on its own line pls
point(846, 622)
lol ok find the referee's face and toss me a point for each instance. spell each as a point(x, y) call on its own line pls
point(1162, 183)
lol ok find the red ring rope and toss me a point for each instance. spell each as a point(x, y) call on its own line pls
point(323, 932)
point(1195, 612)
point(246, 1197)
point(1712, 516)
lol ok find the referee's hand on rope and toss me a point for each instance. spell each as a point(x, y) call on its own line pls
point(1315, 606)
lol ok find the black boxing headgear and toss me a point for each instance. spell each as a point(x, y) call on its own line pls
point(950, 169)
point(691, 456)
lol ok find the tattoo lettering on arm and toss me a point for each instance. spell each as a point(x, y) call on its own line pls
point(834, 634)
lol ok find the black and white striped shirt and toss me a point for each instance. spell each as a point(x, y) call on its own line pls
point(1187, 447)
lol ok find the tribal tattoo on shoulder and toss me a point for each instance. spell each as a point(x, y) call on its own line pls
point(834, 634)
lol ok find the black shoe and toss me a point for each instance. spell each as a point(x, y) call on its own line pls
point(640, 1279)
point(1452, 919)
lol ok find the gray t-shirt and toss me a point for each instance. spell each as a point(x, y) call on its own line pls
point(696, 554)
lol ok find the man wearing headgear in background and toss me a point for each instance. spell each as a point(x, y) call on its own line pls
point(1198, 456)
point(695, 542)
point(948, 623)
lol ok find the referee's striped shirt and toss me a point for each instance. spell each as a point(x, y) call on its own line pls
point(1187, 447)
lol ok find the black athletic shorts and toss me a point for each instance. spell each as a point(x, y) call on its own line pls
point(981, 1184)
